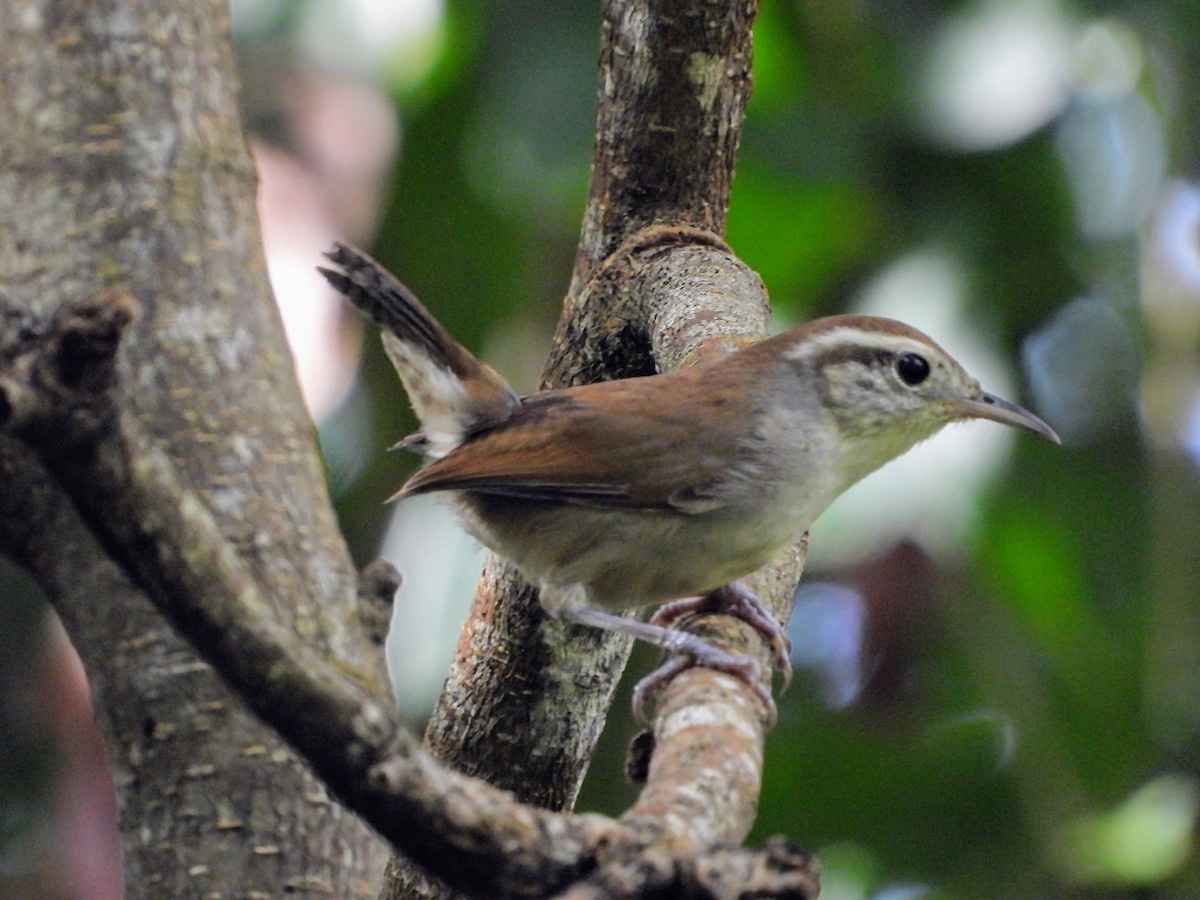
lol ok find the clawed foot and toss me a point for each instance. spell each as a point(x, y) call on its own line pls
point(736, 600)
point(732, 599)
point(683, 648)
point(744, 668)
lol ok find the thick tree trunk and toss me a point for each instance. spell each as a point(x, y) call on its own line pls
point(122, 164)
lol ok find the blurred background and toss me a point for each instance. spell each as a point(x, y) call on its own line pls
point(997, 639)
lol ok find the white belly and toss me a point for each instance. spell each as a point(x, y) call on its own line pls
point(628, 558)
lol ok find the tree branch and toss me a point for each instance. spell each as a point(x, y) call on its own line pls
point(59, 393)
point(654, 287)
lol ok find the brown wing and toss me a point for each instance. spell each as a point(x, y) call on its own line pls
point(658, 454)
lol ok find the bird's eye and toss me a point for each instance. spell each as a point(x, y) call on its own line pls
point(912, 369)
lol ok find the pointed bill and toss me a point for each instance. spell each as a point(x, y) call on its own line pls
point(989, 406)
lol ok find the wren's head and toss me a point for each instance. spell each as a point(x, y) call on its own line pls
point(887, 387)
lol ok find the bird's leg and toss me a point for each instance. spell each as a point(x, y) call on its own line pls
point(687, 650)
point(737, 600)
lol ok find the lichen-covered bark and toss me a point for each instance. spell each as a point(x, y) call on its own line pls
point(123, 165)
point(654, 286)
point(673, 82)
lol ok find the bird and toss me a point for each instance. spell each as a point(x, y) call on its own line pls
point(663, 490)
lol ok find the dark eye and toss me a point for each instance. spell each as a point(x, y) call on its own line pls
point(912, 368)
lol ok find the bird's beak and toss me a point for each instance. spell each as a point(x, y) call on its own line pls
point(989, 406)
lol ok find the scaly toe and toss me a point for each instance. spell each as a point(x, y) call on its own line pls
point(737, 600)
point(649, 686)
point(743, 668)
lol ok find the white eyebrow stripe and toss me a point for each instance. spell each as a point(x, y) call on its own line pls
point(819, 343)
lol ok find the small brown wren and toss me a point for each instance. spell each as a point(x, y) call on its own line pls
point(666, 487)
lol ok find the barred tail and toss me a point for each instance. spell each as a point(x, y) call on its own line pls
point(452, 392)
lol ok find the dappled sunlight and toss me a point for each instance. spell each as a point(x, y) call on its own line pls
point(1082, 366)
point(1142, 840)
point(398, 40)
point(1170, 396)
point(995, 72)
point(828, 634)
point(441, 565)
point(1111, 138)
point(1114, 157)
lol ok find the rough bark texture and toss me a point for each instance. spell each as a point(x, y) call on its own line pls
point(665, 151)
point(674, 81)
point(654, 287)
point(123, 164)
